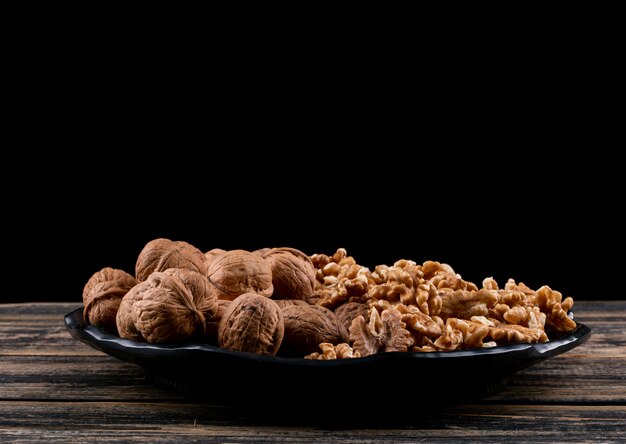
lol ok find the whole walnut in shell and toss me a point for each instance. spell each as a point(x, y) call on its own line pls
point(160, 309)
point(212, 254)
point(102, 296)
point(124, 319)
point(308, 326)
point(237, 272)
point(252, 323)
point(293, 274)
point(282, 303)
point(198, 285)
point(161, 254)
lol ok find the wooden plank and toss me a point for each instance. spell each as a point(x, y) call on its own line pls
point(185, 422)
point(40, 310)
point(41, 338)
point(80, 378)
point(558, 380)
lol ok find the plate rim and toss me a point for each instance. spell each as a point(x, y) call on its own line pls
point(92, 336)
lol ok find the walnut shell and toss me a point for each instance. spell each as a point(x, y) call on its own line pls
point(308, 326)
point(161, 254)
point(293, 274)
point(124, 318)
point(346, 313)
point(252, 323)
point(201, 291)
point(167, 311)
point(282, 303)
point(237, 272)
point(102, 296)
point(212, 254)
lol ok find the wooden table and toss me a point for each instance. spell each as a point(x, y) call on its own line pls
point(56, 389)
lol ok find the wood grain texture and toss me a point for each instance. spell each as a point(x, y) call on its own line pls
point(57, 389)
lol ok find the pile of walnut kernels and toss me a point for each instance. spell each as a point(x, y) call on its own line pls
point(279, 301)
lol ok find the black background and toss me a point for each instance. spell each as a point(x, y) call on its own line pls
point(495, 180)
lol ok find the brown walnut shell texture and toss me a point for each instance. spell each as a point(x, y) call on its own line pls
point(161, 254)
point(237, 272)
point(201, 291)
point(124, 319)
point(160, 309)
point(308, 326)
point(212, 254)
point(102, 296)
point(293, 273)
point(282, 303)
point(252, 323)
point(347, 312)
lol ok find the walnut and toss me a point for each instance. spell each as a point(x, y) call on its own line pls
point(330, 351)
point(497, 312)
point(465, 304)
point(212, 254)
point(282, 303)
point(347, 312)
point(293, 274)
point(237, 272)
point(536, 319)
point(490, 284)
point(167, 311)
point(432, 268)
point(383, 333)
point(344, 351)
point(339, 280)
point(549, 302)
point(513, 286)
point(308, 326)
point(510, 297)
point(394, 285)
point(348, 289)
point(161, 254)
point(516, 315)
point(404, 283)
point(416, 272)
point(510, 333)
point(198, 285)
point(434, 299)
point(475, 335)
point(567, 304)
point(102, 296)
point(459, 333)
point(419, 322)
point(124, 318)
point(319, 261)
point(452, 335)
point(443, 276)
point(252, 323)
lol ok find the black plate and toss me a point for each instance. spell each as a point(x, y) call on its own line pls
point(228, 377)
